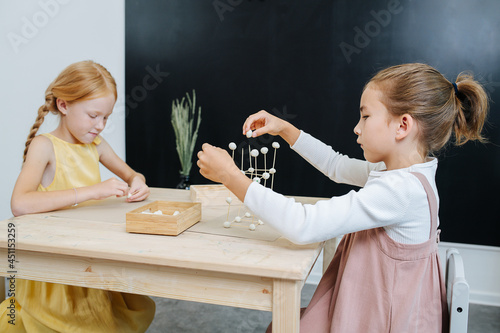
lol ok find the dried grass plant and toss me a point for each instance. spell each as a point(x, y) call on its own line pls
point(183, 118)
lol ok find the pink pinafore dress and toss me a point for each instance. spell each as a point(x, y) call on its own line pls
point(375, 284)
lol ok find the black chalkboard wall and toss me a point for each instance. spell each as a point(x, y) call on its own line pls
point(307, 61)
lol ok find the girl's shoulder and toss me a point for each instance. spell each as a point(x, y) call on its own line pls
point(41, 142)
point(41, 149)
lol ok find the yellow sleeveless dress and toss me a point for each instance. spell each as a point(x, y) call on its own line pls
point(47, 307)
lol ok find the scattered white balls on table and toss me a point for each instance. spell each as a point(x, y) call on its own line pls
point(276, 145)
point(254, 153)
point(232, 146)
point(158, 212)
point(249, 134)
point(176, 213)
point(227, 224)
point(251, 227)
point(129, 195)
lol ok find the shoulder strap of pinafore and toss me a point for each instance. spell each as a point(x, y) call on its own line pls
point(433, 205)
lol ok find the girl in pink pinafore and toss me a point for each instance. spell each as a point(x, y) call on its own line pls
point(386, 275)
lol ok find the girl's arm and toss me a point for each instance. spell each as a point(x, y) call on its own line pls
point(396, 199)
point(27, 200)
point(337, 167)
point(138, 189)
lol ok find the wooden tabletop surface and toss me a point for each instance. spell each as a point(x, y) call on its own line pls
point(97, 229)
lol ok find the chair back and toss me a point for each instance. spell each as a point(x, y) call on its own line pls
point(457, 292)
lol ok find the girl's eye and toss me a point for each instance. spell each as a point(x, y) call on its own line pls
point(365, 117)
point(92, 116)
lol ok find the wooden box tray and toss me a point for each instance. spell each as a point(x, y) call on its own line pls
point(167, 223)
point(212, 195)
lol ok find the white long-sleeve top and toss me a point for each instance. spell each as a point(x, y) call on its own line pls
point(394, 200)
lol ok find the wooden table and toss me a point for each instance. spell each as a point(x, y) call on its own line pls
point(69, 247)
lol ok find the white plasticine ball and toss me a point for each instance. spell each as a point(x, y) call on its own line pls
point(266, 175)
point(276, 145)
point(251, 170)
point(260, 222)
point(247, 214)
point(264, 150)
point(242, 171)
point(249, 134)
point(227, 224)
point(229, 200)
point(237, 219)
point(272, 171)
point(254, 153)
point(232, 146)
point(158, 212)
point(256, 179)
point(251, 227)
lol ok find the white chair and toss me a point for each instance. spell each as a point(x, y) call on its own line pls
point(457, 292)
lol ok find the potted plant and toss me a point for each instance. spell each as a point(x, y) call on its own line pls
point(186, 132)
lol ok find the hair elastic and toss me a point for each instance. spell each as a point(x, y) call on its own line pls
point(455, 87)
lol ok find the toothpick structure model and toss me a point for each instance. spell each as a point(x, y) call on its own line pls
point(257, 175)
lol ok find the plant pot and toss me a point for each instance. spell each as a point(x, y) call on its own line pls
point(184, 183)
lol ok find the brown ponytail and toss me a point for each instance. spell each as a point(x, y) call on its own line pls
point(472, 109)
point(79, 81)
point(422, 92)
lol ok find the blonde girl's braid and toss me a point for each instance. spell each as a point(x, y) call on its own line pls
point(49, 106)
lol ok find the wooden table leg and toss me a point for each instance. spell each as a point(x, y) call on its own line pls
point(329, 251)
point(3, 295)
point(286, 306)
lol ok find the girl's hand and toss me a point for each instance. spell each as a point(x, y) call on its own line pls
point(138, 190)
point(109, 188)
point(216, 164)
point(264, 123)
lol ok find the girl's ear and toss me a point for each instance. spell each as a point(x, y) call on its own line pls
point(406, 126)
point(62, 106)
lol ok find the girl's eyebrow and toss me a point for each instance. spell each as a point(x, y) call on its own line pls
point(100, 112)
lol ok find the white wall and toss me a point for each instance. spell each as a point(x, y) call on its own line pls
point(38, 39)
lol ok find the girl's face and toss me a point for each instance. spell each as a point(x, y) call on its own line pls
point(84, 120)
point(376, 128)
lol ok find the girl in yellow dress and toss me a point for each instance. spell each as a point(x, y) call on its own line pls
point(61, 169)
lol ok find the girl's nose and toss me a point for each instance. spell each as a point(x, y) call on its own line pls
point(100, 125)
point(357, 131)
